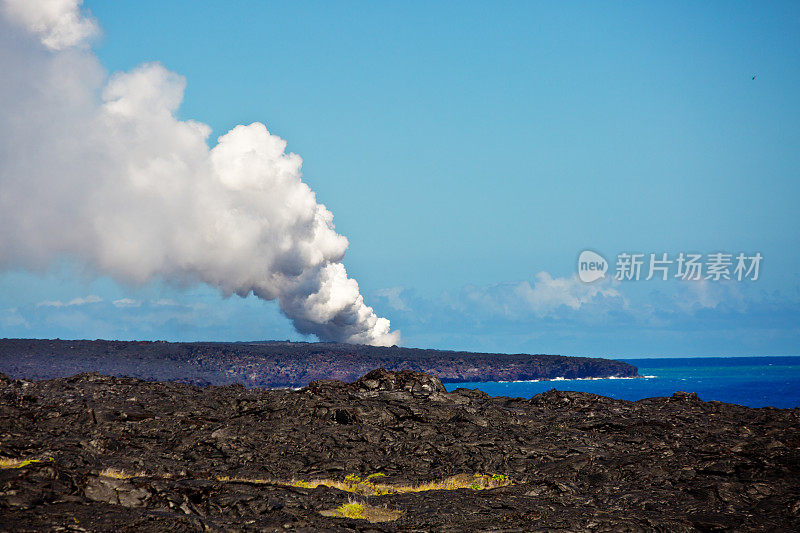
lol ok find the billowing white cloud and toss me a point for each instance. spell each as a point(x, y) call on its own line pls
point(166, 302)
point(11, 318)
point(119, 183)
point(393, 297)
point(91, 299)
point(126, 302)
point(547, 296)
point(694, 295)
point(547, 293)
point(59, 23)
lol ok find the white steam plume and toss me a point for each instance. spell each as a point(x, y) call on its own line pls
point(98, 169)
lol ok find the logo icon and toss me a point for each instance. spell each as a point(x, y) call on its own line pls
point(591, 266)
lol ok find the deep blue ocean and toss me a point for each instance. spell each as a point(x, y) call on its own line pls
point(750, 381)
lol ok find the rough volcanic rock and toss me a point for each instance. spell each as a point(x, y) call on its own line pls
point(405, 380)
point(129, 455)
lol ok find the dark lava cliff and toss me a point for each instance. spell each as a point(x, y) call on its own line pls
point(96, 453)
point(280, 364)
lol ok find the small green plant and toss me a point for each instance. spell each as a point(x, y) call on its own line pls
point(353, 479)
point(363, 511)
point(354, 483)
point(351, 510)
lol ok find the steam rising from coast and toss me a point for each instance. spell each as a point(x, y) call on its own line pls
point(97, 168)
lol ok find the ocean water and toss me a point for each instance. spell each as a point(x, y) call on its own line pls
point(750, 381)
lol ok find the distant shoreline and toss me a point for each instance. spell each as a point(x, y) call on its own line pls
point(272, 364)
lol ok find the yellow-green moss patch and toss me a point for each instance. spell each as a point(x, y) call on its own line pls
point(363, 511)
point(117, 473)
point(368, 487)
point(17, 463)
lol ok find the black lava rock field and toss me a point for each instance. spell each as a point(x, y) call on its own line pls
point(392, 451)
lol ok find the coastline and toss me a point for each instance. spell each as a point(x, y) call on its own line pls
point(752, 382)
point(281, 364)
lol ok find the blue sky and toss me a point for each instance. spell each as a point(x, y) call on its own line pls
point(466, 147)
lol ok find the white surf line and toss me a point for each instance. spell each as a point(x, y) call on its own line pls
point(561, 378)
